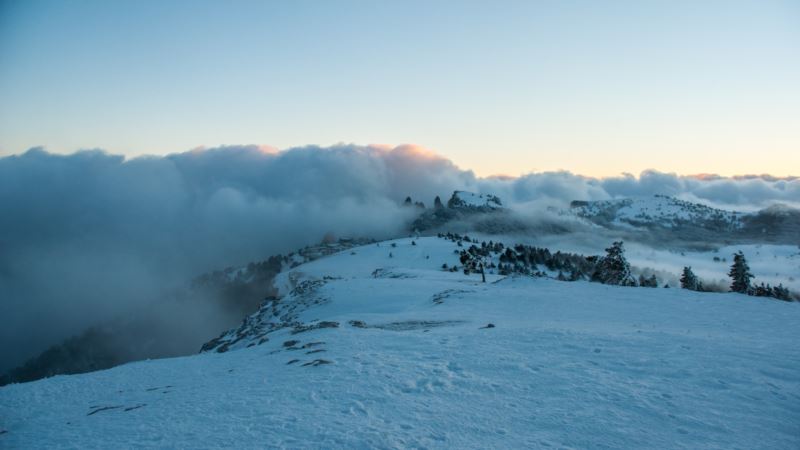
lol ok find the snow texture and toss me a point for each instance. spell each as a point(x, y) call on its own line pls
point(420, 357)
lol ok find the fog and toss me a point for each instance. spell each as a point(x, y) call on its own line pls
point(90, 236)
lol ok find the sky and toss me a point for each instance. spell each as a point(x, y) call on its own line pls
point(595, 88)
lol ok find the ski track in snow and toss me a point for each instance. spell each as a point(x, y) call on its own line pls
point(567, 365)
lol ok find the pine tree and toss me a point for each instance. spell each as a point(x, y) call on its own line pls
point(689, 280)
point(762, 290)
point(437, 203)
point(740, 274)
point(407, 202)
point(650, 281)
point(781, 293)
point(614, 268)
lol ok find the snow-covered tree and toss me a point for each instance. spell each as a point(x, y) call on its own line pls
point(689, 280)
point(437, 203)
point(781, 293)
point(650, 281)
point(740, 274)
point(614, 268)
point(763, 290)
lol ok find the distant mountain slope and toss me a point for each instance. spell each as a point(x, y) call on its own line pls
point(468, 210)
point(379, 347)
point(217, 300)
point(660, 211)
point(663, 216)
point(471, 200)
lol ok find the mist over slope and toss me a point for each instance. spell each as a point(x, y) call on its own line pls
point(378, 346)
point(89, 236)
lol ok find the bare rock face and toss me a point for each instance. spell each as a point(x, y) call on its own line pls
point(480, 210)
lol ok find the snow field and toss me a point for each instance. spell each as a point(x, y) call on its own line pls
point(566, 365)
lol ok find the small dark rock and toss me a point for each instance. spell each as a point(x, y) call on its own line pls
point(312, 344)
point(316, 326)
point(317, 362)
point(290, 343)
point(358, 324)
point(488, 325)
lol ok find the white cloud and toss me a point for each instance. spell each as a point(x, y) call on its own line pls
point(87, 235)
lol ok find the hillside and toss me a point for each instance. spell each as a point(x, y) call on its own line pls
point(662, 217)
point(217, 300)
point(378, 346)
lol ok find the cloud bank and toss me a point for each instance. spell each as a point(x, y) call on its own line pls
point(91, 235)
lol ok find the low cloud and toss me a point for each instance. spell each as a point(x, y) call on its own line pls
point(88, 236)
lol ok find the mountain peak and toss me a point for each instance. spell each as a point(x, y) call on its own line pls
point(465, 199)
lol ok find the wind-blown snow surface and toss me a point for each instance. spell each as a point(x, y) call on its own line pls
point(576, 365)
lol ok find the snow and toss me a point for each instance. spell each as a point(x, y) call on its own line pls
point(567, 365)
point(658, 209)
point(471, 199)
point(772, 264)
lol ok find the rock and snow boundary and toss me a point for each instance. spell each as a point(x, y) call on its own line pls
point(378, 347)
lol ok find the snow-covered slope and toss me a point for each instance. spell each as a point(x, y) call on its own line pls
point(464, 199)
point(378, 347)
point(660, 218)
point(658, 210)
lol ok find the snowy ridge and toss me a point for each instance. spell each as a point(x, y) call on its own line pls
point(659, 210)
point(464, 199)
point(379, 347)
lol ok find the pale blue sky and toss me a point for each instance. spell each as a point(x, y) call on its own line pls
point(597, 88)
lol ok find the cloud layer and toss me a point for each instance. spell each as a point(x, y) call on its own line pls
point(90, 235)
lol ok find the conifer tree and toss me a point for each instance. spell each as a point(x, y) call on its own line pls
point(437, 203)
point(689, 280)
point(614, 268)
point(650, 281)
point(740, 274)
point(781, 293)
point(763, 290)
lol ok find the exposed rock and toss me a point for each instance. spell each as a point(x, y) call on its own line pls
point(357, 324)
point(314, 326)
point(317, 362)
